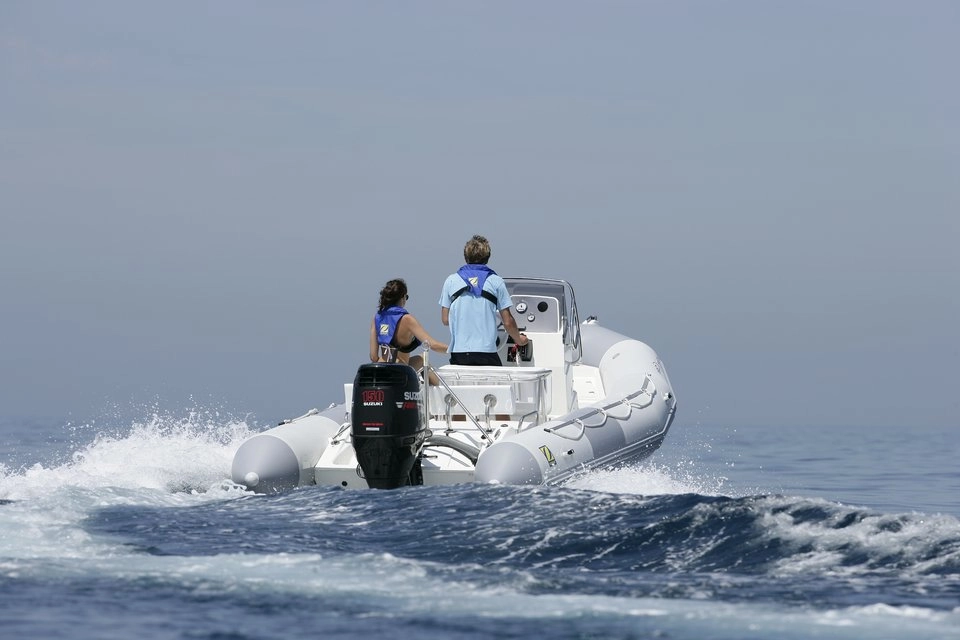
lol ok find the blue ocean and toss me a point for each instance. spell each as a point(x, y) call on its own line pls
point(131, 528)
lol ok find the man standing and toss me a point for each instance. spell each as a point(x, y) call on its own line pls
point(473, 301)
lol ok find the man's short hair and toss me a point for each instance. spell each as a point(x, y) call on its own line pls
point(477, 250)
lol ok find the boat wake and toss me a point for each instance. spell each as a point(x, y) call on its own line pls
point(153, 509)
point(166, 453)
point(536, 540)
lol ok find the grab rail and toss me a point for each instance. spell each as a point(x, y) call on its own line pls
point(647, 388)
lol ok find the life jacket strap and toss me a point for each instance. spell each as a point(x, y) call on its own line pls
point(484, 294)
point(387, 353)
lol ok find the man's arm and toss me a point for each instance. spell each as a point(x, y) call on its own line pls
point(445, 303)
point(511, 326)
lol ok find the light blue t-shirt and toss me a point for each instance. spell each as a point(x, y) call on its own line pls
point(474, 320)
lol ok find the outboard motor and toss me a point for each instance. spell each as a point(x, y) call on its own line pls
point(388, 426)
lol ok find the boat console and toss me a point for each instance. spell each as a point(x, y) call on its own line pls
point(535, 380)
point(546, 311)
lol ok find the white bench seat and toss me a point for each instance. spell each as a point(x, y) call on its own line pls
point(474, 399)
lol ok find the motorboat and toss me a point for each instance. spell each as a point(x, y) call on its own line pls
point(577, 397)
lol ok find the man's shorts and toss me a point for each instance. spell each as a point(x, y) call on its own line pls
point(476, 359)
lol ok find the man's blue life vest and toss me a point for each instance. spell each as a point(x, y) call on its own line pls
point(474, 275)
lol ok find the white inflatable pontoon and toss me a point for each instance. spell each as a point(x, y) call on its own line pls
point(579, 397)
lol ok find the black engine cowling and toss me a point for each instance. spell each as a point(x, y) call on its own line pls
point(388, 426)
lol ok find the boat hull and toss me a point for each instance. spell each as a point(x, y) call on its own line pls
point(285, 456)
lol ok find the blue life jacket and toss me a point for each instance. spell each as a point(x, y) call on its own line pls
point(387, 321)
point(474, 275)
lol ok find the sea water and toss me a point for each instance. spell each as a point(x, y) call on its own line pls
point(132, 529)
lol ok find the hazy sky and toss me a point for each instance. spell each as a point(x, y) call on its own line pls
point(202, 199)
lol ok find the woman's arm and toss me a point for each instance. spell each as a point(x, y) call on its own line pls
point(374, 347)
point(421, 334)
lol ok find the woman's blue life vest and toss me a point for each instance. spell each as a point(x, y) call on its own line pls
point(386, 323)
point(474, 275)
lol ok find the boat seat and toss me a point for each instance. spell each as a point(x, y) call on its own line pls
point(531, 391)
point(475, 398)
